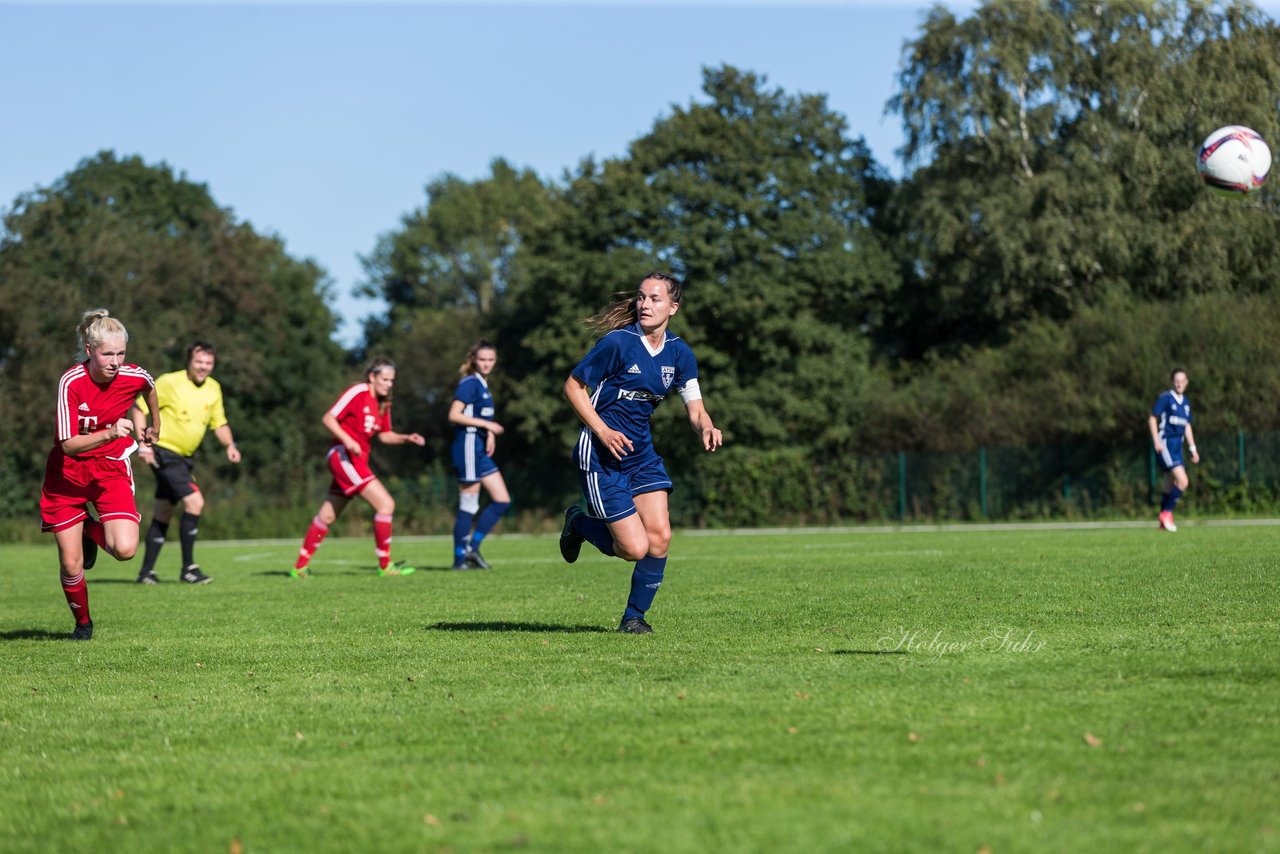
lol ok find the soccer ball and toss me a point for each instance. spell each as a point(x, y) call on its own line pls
point(1234, 161)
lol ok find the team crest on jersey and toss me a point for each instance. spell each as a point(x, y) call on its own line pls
point(668, 374)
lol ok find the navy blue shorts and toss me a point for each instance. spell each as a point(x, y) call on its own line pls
point(611, 492)
point(469, 459)
point(1171, 457)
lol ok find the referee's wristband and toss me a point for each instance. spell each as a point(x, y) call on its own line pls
point(1192, 448)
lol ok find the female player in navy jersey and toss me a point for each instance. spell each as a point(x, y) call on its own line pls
point(1170, 424)
point(472, 412)
point(614, 390)
point(362, 412)
point(89, 462)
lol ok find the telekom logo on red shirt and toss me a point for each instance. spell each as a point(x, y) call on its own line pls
point(88, 423)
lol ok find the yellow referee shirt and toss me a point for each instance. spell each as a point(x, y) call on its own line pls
point(187, 410)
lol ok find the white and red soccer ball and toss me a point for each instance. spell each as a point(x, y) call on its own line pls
point(1234, 161)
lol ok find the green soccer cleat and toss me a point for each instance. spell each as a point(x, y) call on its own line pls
point(397, 568)
point(305, 572)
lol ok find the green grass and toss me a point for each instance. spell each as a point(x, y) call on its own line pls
point(773, 709)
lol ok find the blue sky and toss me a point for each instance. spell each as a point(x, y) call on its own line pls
point(322, 123)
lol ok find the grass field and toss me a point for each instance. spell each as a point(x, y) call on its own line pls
point(1030, 690)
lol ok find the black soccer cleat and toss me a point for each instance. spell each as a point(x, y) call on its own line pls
point(460, 562)
point(570, 540)
point(635, 626)
point(83, 631)
point(474, 560)
point(193, 575)
point(148, 578)
point(90, 550)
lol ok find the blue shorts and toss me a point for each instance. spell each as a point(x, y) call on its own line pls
point(611, 492)
point(469, 459)
point(1171, 457)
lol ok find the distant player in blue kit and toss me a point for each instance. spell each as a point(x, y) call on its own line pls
point(1170, 424)
point(614, 390)
point(472, 412)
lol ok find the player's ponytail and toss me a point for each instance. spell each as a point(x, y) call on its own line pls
point(622, 312)
point(96, 325)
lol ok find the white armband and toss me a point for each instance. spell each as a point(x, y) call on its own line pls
point(690, 392)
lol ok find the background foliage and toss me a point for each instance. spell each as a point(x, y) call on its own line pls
point(1048, 259)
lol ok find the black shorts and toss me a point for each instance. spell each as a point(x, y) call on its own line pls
point(174, 480)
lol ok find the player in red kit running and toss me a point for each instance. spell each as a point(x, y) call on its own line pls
point(89, 463)
point(363, 411)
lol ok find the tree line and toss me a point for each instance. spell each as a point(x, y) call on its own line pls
point(1048, 257)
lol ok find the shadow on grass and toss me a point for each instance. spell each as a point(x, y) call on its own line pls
point(868, 652)
point(512, 627)
point(33, 634)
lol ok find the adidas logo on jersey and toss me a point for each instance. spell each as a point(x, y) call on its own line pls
point(634, 369)
point(84, 407)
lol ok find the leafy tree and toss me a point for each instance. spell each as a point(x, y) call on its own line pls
point(761, 202)
point(447, 276)
point(1060, 141)
point(157, 251)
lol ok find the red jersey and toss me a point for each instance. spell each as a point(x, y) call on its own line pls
point(85, 406)
point(357, 413)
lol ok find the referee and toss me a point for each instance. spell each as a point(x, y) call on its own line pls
point(190, 404)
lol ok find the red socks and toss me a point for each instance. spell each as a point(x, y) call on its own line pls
point(315, 536)
point(382, 538)
point(77, 593)
point(94, 530)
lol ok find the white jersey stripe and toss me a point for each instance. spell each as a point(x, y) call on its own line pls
point(65, 418)
point(469, 456)
point(358, 388)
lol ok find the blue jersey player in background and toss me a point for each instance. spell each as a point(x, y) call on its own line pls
point(472, 412)
point(1170, 424)
point(614, 390)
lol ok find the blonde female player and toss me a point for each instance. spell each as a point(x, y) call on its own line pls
point(89, 461)
point(614, 391)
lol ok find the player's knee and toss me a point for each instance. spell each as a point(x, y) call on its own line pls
point(125, 550)
point(659, 541)
point(386, 507)
point(631, 549)
point(193, 504)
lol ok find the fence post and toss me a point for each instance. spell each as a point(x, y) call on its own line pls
point(902, 486)
point(1066, 475)
point(982, 480)
point(1240, 452)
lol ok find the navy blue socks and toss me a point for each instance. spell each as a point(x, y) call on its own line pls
point(462, 530)
point(646, 578)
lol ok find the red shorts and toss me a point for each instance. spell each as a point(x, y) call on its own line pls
point(70, 484)
point(350, 474)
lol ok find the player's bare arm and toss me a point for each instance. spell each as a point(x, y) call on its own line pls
point(152, 433)
point(703, 426)
point(1191, 445)
point(88, 441)
point(576, 393)
point(331, 424)
point(456, 416)
point(391, 437)
point(228, 441)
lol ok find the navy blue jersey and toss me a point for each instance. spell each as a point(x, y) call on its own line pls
point(1173, 414)
point(473, 391)
point(628, 381)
